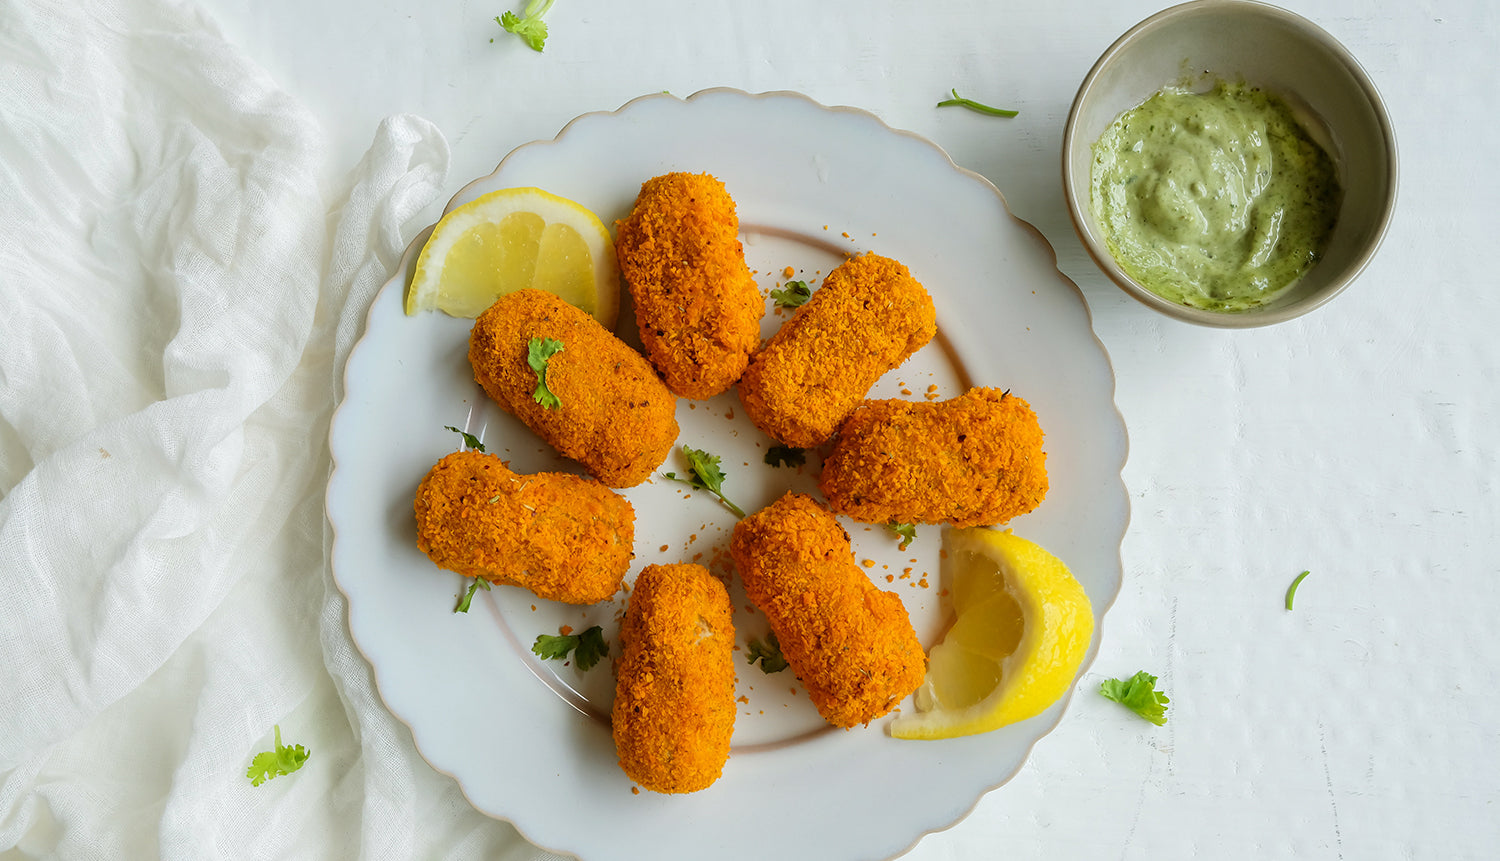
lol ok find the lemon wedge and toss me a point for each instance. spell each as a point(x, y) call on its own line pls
point(512, 239)
point(1022, 624)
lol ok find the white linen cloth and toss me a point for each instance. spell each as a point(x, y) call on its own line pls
point(177, 297)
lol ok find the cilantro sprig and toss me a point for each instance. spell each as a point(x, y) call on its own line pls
point(907, 532)
point(768, 653)
point(587, 648)
point(785, 455)
point(470, 441)
point(793, 294)
point(1291, 591)
point(1139, 694)
point(539, 351)
point(977, 107)
point(271, 764)
point(706, 476)
point(468, 598)
point(529, 24)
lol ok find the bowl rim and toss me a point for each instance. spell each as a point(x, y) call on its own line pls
point(1230, 319)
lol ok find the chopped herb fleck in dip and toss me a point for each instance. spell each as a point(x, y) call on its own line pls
point(1219, 200)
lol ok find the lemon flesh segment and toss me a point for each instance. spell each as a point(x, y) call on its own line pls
point(1022, 626)
point(486, 257)
point(564, 267)
point(510, 240)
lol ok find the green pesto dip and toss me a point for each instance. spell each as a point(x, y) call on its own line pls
point(1217, 200)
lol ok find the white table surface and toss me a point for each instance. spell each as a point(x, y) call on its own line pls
point(1357, 442)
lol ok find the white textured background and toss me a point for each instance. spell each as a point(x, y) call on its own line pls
point(1357, 442)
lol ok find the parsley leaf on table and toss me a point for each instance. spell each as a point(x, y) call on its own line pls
point(1139, 694)
point(1291, 591)
point(961, 102)
point(529, 24)
point(270, 764)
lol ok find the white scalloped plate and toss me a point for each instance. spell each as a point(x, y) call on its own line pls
point(528, 741)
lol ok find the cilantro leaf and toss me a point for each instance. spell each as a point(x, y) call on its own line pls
point(785, 455)
point(706, 476)
point(468, 598)
point(706, 467)
point(793, 294)
point(768, 653)
point(554, 647)
point(528, 25)
point(274, 763)
point(591, 648)
point(587, 648)
point(1139, 694)
point(959, 101)
point(470, 440)
point(1291, 591)
point(539, 351)
point(907, 532)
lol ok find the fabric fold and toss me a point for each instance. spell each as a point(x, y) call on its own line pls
point(200, 230)
point(180, 297)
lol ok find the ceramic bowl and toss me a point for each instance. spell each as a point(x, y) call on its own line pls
point(1197, 44)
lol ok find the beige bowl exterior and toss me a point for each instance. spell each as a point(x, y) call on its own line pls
point(1200, 42)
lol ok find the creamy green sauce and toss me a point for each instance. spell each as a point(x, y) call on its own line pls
point(1217, 200)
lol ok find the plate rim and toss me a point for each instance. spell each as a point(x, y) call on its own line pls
point(403, 269)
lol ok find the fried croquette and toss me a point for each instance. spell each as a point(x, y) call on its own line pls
point(851, 644)
point(869, 315)
point(975, 460)
point(696, 303)
point(674, 693)
point(563, 537)
point(615, 416)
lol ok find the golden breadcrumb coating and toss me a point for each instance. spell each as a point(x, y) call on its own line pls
point(975, 460)
point(674, 694)
point(867, 317)
point(563, 537)
point(851, 644)
point(696, 303)
point(616, 418)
